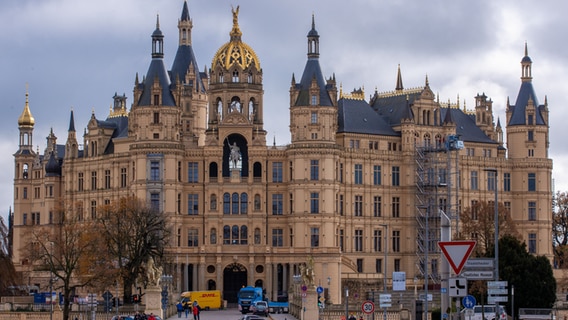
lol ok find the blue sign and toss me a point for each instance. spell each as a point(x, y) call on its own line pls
point(319, 289)
point(469, 301)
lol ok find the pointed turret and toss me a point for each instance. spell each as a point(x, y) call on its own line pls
point(71, 146)
point(399, 86)
point(26, 124)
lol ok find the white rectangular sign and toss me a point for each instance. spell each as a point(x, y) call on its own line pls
point(496, 291)
point(496, 284)
point(478, 275)
point(399, 281)
point(478, 263)
point(493, 299)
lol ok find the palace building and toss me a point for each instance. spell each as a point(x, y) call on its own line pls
point(360, 188)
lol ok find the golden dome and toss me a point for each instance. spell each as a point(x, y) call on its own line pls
point(26, 118)
point(235, 52)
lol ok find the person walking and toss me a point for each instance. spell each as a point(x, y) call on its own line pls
point(195, 310)
point(186, 309)
point(179, 307)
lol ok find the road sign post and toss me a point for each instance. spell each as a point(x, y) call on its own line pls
point(457, 252)
point(368, 307)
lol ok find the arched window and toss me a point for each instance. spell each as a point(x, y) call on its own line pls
point(235, 76)
point(220, 77)
point(249, 77)
point(226, 235)
point(235, 203)
point(244, 203)
point(252, 111)
point(244, 235)
point(25, 168)
point(235, 235)
point(219, 109)
point(226, 203)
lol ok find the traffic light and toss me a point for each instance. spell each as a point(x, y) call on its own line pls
point(135, 298)
point(320, 304)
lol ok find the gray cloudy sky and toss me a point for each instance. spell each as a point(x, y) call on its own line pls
point(77, 54)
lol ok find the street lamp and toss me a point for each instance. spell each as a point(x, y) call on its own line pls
point(386, 249)
point(496, 221)
point(165, 280)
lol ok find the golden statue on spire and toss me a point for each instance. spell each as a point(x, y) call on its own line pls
point(235, 15)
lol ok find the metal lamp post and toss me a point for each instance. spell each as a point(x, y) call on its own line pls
point(386, 249)
point(496, 221)
point(165, 280)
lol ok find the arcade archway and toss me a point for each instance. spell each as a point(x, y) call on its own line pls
point(234, 278)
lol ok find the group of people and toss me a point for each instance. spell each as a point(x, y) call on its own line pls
point(194, 308)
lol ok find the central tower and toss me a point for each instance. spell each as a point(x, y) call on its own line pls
point(235, 95)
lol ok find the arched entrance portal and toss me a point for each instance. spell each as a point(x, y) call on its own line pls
point(234, 278)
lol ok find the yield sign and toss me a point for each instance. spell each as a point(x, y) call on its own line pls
point(456, 252)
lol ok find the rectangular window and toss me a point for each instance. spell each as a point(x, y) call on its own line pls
point(491, 180)
point(277, 238)
point(359, 265)
point(192, 238)
point(277, 203)
point(314, 100)
point(358, 175)
point(506, 181)
point(377, 175)
point(192, 172)
point(473, 180)
point(532, 210)
point(396, 265)
point(532, 243)
point(93, 180)
point(155, 201)
point(80, 181)
point(530, 135)
point(395, 207)
point(314, 202)
point(314, 237)
point(277, 172)
point(314, 117)
point(155, 170)
point(25, 219)
point(341, 240)
point(507, 205)
point(314, 169)
point(341, 203)
point(396, 176)
point(377, 240)
point(358, 206)
point(377, 204)
point(532, 181)
point(379, 265)
point(93, 209)
point(396, 241)
point(156, 117)
point(123, 177)
point(192, 204)
point(25, 193)
point(107, 179)
point(358, 240)
point(341, 172)
point(474, 210)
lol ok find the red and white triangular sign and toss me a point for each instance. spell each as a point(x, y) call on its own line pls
point(457, 252)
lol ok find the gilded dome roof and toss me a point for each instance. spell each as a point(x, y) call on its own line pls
point(235, 52)
point(26, 118)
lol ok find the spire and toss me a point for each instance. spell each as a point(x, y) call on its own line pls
point(184, 26)
point(526, 66)
point(26, 119)
point(71, 122)
point(157, 41)
point(313, 40)
point(399, 86)
point(448, 117)
point(235, 32)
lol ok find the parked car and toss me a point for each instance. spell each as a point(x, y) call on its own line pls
point(250, 317)
point(486, 312)
point(260, 307)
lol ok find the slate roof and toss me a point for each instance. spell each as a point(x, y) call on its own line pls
point(526, 92)
point(183, 59)
point(394, 108)
point(312, 70)
point(466, 127)
point(356, 116)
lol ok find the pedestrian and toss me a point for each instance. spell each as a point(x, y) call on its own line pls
point(361, 317)
point(195, 310)
point(179, 307)
point(186, 309)
point(151, 317)
point(352, 317)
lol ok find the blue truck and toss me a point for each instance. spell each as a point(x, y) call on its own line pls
point(248, 295)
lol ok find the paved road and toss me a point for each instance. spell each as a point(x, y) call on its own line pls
point(230, 314)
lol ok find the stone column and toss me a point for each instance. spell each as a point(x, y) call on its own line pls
point(311, 304)
point(153, 300)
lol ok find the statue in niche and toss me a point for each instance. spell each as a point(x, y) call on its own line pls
point(235, 155)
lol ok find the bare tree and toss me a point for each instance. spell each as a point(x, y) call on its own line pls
point(7, 270)
point(560, 230)
point(478, 223)
point(71, 252)
point(134, 233)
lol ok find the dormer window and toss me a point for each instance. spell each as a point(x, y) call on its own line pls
point(314, 100)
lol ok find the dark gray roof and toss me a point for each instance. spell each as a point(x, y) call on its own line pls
point(183, 60)
point(466, 127)
point(120, 126)
point(311, 71)
point(356, 116)
point(526, 92)
point(394, 108)
point(157, 72)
